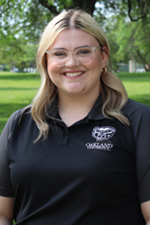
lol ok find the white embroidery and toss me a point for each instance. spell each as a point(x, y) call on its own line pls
point(102, 146)
point(102, 136)
point(103, 133)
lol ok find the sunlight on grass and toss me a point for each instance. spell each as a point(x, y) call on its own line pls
point(18, 89)
point(137, 86)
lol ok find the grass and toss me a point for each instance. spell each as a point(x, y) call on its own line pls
point(137, 86)
point(18, 89)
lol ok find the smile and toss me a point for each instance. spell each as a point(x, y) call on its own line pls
point(73, 74)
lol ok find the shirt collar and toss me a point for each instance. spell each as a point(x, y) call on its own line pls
point(94, 114)
point(96, 111)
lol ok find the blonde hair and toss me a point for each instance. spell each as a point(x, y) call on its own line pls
point(114, 95)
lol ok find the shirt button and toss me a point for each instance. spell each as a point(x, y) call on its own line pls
point(66, 132)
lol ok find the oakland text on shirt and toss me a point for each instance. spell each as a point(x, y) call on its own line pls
point(102, 136)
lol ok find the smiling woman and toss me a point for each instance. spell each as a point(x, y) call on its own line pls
point(80, 75)
point(80, 151)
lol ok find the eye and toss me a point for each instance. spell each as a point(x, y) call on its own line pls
point(84, 52)
point(59, 54)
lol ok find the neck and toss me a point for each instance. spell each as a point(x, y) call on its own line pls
point(73, 108)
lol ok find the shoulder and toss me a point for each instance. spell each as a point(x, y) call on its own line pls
point(19, 114)
point(15, 119)
point(133, 108)
point(139, 117)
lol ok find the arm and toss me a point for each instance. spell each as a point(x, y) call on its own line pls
point(6, 210)
point(140, 127)
point(145, 207)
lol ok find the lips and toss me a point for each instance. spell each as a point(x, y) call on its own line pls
point(73, 74)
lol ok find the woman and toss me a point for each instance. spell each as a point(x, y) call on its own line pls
point(80, 153)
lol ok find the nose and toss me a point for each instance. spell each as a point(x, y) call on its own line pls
point(71, 61)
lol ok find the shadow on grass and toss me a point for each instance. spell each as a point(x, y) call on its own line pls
point(18, 89)
point(20, 77)
point(134, 77)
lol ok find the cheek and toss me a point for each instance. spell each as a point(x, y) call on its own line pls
point(96, 66)
point(54, 73)
point(52, 70)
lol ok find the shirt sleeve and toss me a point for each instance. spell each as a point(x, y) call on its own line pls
point(141, 130)
point(5, 182)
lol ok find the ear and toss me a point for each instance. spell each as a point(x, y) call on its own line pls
point(105, 55)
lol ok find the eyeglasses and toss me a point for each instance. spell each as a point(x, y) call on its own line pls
point(82, 55)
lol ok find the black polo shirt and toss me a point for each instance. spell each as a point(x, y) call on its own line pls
point(96, 171)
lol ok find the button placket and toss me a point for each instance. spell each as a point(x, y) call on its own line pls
point(64, 138)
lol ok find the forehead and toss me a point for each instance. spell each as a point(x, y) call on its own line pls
point(72, 38)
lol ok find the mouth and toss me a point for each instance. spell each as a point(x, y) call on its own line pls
point(73, 74)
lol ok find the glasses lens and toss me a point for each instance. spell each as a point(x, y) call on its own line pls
point(84, 55)
point(59, 56)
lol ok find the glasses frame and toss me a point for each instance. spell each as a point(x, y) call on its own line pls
point(74, 54)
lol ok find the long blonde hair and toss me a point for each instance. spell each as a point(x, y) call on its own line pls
point(114, 95)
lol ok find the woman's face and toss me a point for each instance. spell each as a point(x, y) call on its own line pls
point(74, 78)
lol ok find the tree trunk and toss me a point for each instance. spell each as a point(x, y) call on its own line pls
point(87, 5)
point(143, 61)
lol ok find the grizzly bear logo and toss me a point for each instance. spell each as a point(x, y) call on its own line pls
point(103, 133)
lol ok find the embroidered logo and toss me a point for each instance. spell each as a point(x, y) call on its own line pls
point(102, 136)
point(103, 133)
point(102, 146)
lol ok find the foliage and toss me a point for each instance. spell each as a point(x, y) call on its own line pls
point(137, 9)
point(128, 40)
point(30, 17)
point(18, 53)
point(23, 17)
point(22, 21)
point(133, 41)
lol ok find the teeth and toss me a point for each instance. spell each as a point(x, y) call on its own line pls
point(73, 74)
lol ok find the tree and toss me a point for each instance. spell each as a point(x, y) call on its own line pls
point(132, 41)
point(18, 53)
point(26, 19)
point(138, 9)
point(30, 16)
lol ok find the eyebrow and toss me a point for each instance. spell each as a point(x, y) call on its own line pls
point(75, 48)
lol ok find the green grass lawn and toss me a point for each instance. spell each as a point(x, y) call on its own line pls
point(18, 89)
point(137, 86)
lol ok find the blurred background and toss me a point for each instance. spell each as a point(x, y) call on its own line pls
point(126, 23)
